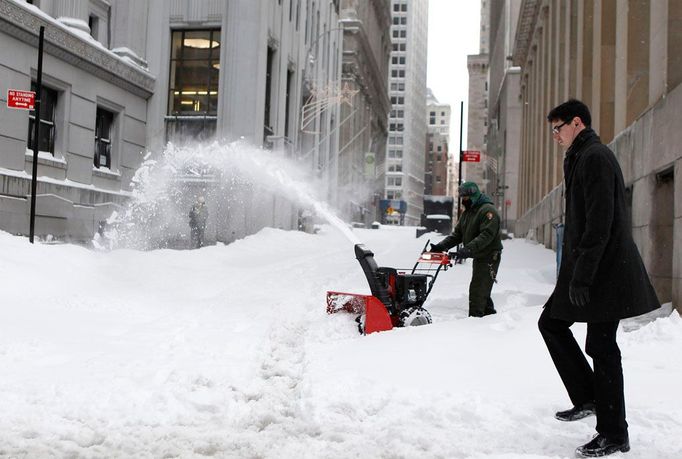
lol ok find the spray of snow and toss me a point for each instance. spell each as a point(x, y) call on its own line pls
point(161, 189)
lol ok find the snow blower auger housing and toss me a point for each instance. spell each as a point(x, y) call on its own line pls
point(397, 297)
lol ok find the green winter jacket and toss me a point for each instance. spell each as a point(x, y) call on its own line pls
point(478, 229)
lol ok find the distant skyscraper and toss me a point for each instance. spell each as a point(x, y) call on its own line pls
point(404, 167)
point(477, 124)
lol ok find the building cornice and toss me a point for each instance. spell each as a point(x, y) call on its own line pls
point(524, 31)
point(24, 25)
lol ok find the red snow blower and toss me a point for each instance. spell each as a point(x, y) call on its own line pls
point(397, 297)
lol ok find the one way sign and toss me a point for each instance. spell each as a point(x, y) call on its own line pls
point(22, 100)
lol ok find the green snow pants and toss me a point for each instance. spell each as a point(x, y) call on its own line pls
point(482, 280)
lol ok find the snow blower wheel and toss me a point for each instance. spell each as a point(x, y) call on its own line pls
point(414, 317)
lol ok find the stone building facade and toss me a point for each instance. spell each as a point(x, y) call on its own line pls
point(126, 76)
point(93, 118)
point(363, 127)
point(477, 110)
point(404, 168)
point(504, 110)
point(437, 159)
point(621, 58)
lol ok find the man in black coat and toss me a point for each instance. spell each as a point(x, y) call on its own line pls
point(601, 280)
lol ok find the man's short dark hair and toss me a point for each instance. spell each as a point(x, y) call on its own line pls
point(569, 110)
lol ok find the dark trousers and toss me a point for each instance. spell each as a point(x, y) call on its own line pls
point(482, 280)
point(197, 237)
point(604, 385)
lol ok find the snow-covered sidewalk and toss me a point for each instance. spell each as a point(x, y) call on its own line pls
point(227, 352)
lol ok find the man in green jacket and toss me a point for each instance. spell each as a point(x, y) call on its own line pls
point(478, 229)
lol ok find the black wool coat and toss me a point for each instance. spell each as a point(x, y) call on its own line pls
point(598, 250)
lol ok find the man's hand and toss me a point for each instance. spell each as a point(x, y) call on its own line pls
point(437, 248)
point(464, 253)
point(578, 295)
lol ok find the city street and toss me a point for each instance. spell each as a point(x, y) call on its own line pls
point(227, 352)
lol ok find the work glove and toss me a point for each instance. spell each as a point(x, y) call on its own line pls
point(464, 253)
point(579, 295)
point(437, 248)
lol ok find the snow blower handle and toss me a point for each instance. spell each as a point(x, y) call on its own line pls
point(424, 250)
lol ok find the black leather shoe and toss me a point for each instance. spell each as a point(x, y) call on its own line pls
point(602, 446)
point(577, 412)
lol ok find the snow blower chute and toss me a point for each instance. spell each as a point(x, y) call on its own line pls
point(397, 297)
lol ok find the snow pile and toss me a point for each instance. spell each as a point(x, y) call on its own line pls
point(227, 352)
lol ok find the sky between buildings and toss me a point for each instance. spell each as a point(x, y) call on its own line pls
point(454, 30)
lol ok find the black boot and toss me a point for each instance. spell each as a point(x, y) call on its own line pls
point(577, 412)
point(602, 446)
point(489, 307)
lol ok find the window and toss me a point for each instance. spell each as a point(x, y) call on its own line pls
point(396, 20)
point(48, 104)
point(394, 181)
point(404, 7)
point(287, 102)
point(403, 34)
point(267, 129)
point(403, 21)
point(194, 71)
point(93, 23)
point(104, 121)
point(396, 7)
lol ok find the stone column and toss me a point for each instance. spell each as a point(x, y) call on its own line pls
point(638, 58)
point(674, 44)
point(72, 13)
point(585, 50)
point(621, 74)
point(604, 68)
point(129, 29)
point(632, 61)
point(658, 49)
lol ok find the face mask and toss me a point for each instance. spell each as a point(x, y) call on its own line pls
point(467, 203)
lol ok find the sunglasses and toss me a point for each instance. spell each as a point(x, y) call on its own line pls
point(557, 128)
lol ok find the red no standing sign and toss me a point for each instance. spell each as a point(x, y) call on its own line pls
point(22, 100)
point(471, 156)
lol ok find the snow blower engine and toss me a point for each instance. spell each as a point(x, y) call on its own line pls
point(397, 297)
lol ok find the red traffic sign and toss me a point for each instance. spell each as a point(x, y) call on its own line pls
point(471, 156)
point(22, 100)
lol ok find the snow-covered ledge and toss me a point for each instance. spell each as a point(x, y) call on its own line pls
point(75, 23)
point(47, 159)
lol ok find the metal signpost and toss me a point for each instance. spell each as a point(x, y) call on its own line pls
point(36, 136)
